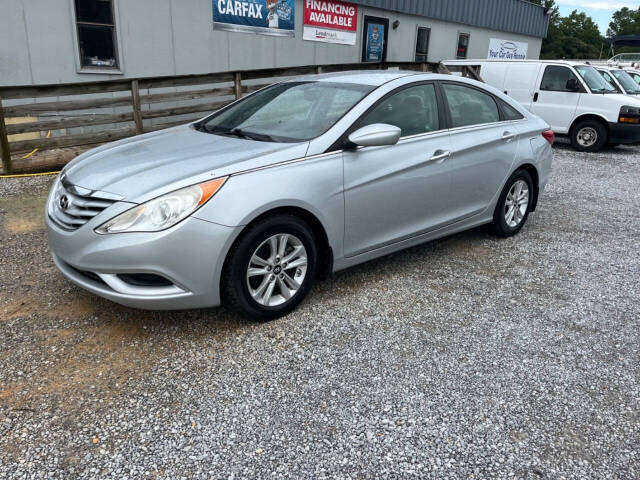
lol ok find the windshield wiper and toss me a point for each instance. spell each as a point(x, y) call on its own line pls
point(262, 137)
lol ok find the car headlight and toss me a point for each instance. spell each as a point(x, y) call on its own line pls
point(163, 212)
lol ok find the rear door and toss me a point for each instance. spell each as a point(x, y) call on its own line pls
point(399, 191)
point(484, 145)
point(553, 101)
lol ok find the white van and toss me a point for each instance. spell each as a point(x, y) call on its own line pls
point(619, 79)
point(572, 97)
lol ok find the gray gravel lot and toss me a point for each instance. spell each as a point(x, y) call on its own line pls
point(469, 357)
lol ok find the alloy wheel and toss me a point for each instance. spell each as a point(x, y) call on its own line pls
point(516, 203)
point(277, 270)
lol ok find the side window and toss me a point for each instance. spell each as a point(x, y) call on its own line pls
point(636, 77)
point(469, 106)
point(414, 110)
point(555, 79)
point(509, 112)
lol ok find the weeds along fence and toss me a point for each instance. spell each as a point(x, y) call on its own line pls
point(46, 126)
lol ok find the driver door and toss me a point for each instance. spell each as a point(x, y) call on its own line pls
point(553, 101)
point(399, 191)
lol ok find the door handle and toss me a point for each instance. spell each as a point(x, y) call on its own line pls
point(440, 156)
point(508, 136)
point(535, 97)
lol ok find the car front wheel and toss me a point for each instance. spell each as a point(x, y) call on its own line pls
point(271, 268)
point(514, 205)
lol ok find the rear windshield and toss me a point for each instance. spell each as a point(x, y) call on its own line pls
point(626, 81)
point(594, 80)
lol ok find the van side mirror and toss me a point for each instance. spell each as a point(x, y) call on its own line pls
point(573, 85)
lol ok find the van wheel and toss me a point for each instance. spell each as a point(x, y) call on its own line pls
point(514, 205)
point(588, 136)
point(271, 268)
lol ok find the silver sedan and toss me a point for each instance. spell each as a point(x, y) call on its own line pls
point(250, 205)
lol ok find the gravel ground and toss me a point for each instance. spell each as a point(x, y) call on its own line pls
point(469, 357)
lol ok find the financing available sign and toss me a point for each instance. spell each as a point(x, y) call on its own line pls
point(269, 17)
point(330, 21)
point(507, 50)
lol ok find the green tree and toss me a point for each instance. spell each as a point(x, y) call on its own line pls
point(574, 36)
point(624, 22)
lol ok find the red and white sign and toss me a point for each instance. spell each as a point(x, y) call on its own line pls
point(330, 21)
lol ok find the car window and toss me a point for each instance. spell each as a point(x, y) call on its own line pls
point(636, 77)
point(469, 106)
point(414, 110)
point(555, 79)
point(594, 80)
point(510, 113)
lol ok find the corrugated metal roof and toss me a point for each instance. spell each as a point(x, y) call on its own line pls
point(516, 16)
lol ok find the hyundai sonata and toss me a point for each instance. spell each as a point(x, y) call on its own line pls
point(248, 206)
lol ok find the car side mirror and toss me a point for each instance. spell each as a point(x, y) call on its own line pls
point(572, 85)
point(376, 135)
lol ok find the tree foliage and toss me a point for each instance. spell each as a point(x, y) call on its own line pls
point(572, 37)
point(625, 21)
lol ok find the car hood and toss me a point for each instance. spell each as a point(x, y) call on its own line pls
point(144, 166)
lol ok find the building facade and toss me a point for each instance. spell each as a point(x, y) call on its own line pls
point(63, 41)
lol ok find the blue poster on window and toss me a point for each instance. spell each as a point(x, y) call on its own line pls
point(269, 17)
point(375, 42)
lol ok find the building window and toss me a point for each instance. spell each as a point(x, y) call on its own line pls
point(96, 34)
point(463, 45)
point(422, 44)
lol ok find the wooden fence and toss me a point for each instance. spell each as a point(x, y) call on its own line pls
point(116, 109)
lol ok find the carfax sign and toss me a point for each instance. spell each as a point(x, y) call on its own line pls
point(268, 17)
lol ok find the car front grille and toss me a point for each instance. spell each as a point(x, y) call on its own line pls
point(73, 206)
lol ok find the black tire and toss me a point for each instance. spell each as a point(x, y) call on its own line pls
point(499, 225)
point(589, 127)
point(235, 288)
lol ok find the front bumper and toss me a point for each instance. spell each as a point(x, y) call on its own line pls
point(624, 133)
point(190, 255)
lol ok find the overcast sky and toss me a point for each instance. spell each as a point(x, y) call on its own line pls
point(599, 10)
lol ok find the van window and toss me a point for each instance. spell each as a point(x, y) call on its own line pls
point(414, 110)
point(469, 106)
point(555, 78)
point(594, 80)
point(626, 81)
point(608, 78)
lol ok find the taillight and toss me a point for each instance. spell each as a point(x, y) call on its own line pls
point(549, 136)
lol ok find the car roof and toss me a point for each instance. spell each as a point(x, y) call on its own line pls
point(373, 78)
point(361, 77)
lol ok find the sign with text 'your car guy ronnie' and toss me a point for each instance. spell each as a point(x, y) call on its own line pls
point(507, 50)
point(330, 21)
point(268, 17)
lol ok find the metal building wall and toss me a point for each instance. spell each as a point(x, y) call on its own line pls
point(515, 16)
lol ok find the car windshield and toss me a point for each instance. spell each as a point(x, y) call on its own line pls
point(287, 112)
point(594, 80)
point(626, 81)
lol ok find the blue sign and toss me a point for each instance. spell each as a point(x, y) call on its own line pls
point(269, 17)
point(375, 42)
